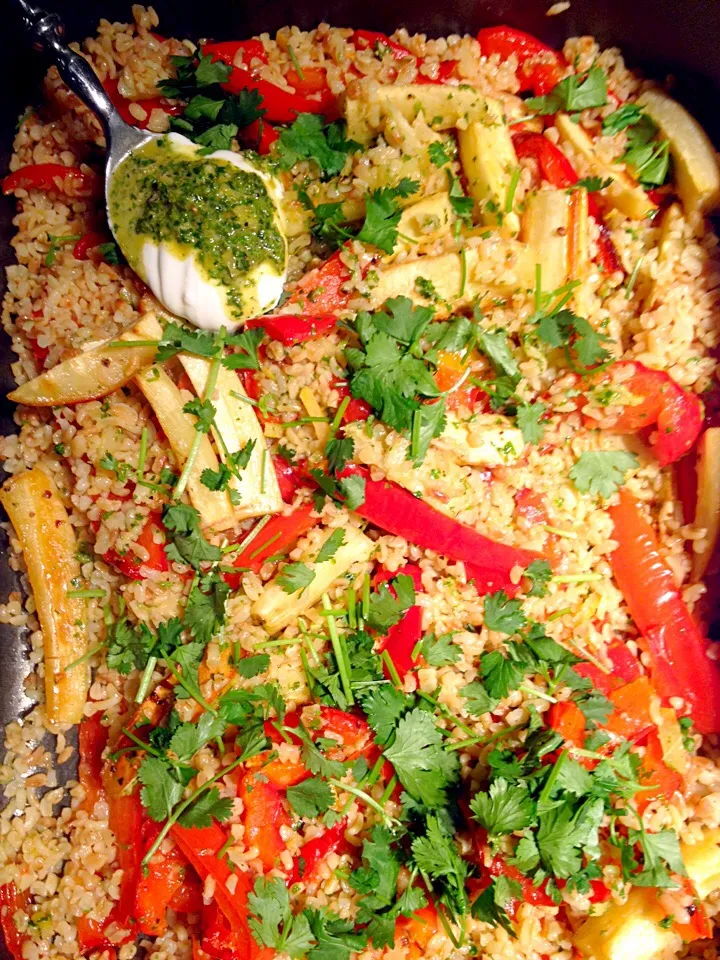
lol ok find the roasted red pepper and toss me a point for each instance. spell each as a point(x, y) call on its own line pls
point(53, 176)
point(92, 739)
point(290, 328)
point(290, 477)
point(280, 773)
point(158, 884)
point(540, 68)
point(311, 80)
point(352, 732)
point(278, 535)
point(201, 846)
point(315, 851)
point(227, 50)
point(125, 818)
point(320, 290)
point(130, 565)
point(630, 718)
point(259, 136)
point(662, 781)
point(122, 105)
point(396, 510)
point(403, 637)
point(681, 666)
point(700, 926)
point(415, 932)
point(88, 242)
point(188, 897)
point(11, 900)
point(356, 409)
point(537, 896)
point(677, 413)
point(280, 105)
point(557, 170)
point(371, 40)
point(263, 816)
point(567, 719)
point(625, 669)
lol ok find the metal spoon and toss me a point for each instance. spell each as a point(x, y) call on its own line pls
point(46, 30)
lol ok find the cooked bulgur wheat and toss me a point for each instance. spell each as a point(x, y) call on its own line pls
point(58, 849)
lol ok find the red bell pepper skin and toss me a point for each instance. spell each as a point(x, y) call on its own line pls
point(416, 931)
point(538, 896)
point(371, 39)
point(540, 68)
point(661, 780)
point(263, 816)
point(625, 669)
point(353, 733)
point(356, 409)
point(280, 773)
point(312, 80)
point(188, 897)
point(129, 564)
point(53, 177)
point(227, 50)
point(277, 536)
point(630, 718)
point(122, 105)
point(290, 329)
point(158, 884)
point(219, 941)
point(320, 290)
point(86, 243)
point(92, 739)
point(11, 900)
point(201, 847)
point(314, 852)
point(259, 136)
point(700, 926)
point(679, 651)
point(557, 170)
point(402, 637)
point(677, 413)
point(394, 509)
point(447, 70)
point(567, 719)
point(289, 478)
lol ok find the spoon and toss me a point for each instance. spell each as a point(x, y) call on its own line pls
point(179, 278)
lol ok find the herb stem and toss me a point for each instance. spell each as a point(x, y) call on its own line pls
point(570, 534)
point(340, 652)
point(145, 679)
point(85, 594)
point(391, 669)
point(387, 793)
point(213, 374)
point(448, 713)
point(142, 455)
point(337, 419)
point(463, 272)
point(512, 187)
point(360, 795)
point(578, 578)
point(140, 743)
point(498, 735)
point(86, 656)
point(351, 601)
point(194, 693)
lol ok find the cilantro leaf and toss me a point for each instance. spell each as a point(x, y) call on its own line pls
point(295, 577)
point(249, 667)
point(161, 791)
point(602, 472)
point(495, 902)
point(539, 572)
point(353, 491)
point(529, 420)
point(209, 806)
point(436, 856)
point(439, 651)
point(660, 851)
point(309, 139)
point(334, 936)
point(272, 923)
point(504, 808)
point(628, 115)
point(500, 674)
point(478, 701)
point(574, 93)
point(205, 608)
point(248, 343)
point(338, 451)
point(382, 215)
point(593, 184)
point(438, 154)
point(311, 797)
point(503, 614)
point(384, 705)
point(422, 766)
point(331, 545)
point(386, 609)
point(187, 543)
point(128, 647)
point(496, 346)
point(191, 737)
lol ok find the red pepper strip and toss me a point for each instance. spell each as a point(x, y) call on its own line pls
point(416, 931)
point(130, 565)
point(625, 669)
point(201, 846)
point(312, 80)
point(81, 250)
point(227, 50)
point(540, 68)
point(678, 413)
point(219, 941)
point(446, 71)
point(538, 896)
point(288, 478)
point(351, 731)
point(314, 852)
point(188, 897)
point(394, 509)
point(356, 409)
point(53, 176)
point(568, 720)
point(280, 773)
point(263, 816)
point(11, 900)
point(277, 536)
point(320, 290)
point(92, 739)
point(369, 39)
point(402, 637)
point(700, 926)
point(280, 105)
point(290, 329)
point(259, 136)
point(659, 777)
point(557, 169)
point(679, 651)
point(630, 718)
point(158, 884)
point(122, 105)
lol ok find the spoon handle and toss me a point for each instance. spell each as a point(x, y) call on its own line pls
point(45, 29)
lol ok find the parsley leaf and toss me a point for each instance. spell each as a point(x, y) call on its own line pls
point(161, 791)
point(339, 451)
point(625, 116)
point(439, 651)
point(249, 667)
point(384, 705)
point(295, 576)
point(478, 701)
point(504, 808)
point(353, 491)
point(602, 472)
point(209, 806)
point(191, 737)
point(438, 154)
point(311, 797)
point(500, 674)
point(331, 545)
point(436, 856)
point(503, 614)
point(272, 923)
point(539, 572)
point(593, 184)
point(128, 647)
point(187, 543)
point(387, 609)
point(529, 420)
point(205, 608)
